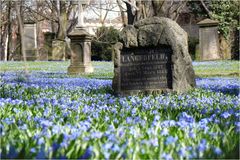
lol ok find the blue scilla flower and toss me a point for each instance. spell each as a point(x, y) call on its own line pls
point(191, 134)
point(217, 151)
point(168, 123)
point(237, 125)
point(33, 150)
point(134, 111)
point(164, 132)
point(225, 115)
point(107, 146)
point(116, 148)
point(8, 121)
point(129, 120)
point(46, 123)
point(40, 141)
point(154, 142)
point(56, 129)
point(166, 156)
point(202, 146)
point(16, 110)
point(171, 140)
point(182, 152)
point(87, 154)
point(23, 127)
point(157, 117)
point(96, 135)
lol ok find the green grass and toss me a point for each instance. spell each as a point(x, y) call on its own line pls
point(104, 70)
point(225, 68)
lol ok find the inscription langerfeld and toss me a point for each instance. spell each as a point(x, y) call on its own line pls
point(146, 68)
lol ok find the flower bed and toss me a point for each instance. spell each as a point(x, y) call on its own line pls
point(51, 115)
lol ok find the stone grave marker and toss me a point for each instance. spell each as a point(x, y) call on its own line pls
point(46, 50)
point(80, 44)
point(152, 57)
point(208, 40)
point(58, 50)
point(30, 40)
point(81, 52)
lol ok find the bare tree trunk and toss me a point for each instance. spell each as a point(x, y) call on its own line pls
point(62, 29)
point(5, 49)
point(130, 14)
point(9, 42)
point(18, 7)
point(1, 27)
point(206, 9)
point(122, 13)
point(157, 7)
point(21, 28)
point(54, 9)
point(162, 8)
point(38, 30)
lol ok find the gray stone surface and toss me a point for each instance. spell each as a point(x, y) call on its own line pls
point(81, 52)
point(208, 40)
point(58, 50)
point(30, 41)
point(150, 34)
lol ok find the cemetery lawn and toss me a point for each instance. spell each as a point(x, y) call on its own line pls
point(104, 70)
point(49, 114)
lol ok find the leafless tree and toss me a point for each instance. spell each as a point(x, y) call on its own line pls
point(18, 7)
point(1, 28)
point(102, 8)
point(140, 9)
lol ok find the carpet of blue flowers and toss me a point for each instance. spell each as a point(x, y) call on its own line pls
point(52, 115)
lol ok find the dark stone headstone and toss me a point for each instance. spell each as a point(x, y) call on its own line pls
point(152, 57)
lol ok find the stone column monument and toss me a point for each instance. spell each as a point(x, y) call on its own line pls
point(208, 40)
point(80, 46)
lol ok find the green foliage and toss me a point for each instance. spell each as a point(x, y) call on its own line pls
point(227, 13)
point(102, 44)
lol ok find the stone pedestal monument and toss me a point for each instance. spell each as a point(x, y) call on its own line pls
point(152, 57)
point(80, 46)
point(208, 40)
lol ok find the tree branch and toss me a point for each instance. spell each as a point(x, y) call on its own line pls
point(206, 9)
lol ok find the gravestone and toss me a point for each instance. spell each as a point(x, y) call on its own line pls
point(208, 40)
point(81, 52)
point(46, 51)
point(80, 45)
point(30, 40)
point(152, 57)
point(58, 50)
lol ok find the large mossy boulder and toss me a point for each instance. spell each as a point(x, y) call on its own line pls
point(155, 32)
